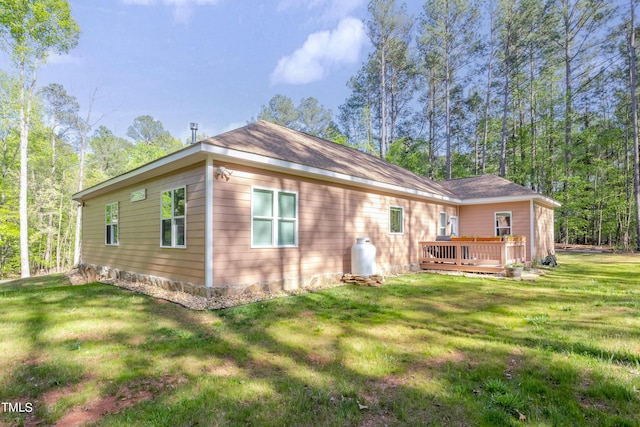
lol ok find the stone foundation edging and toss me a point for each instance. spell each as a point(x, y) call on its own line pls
point(97, 273)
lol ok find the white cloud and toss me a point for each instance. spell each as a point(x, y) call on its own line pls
point(181, 8)
point(322, 52)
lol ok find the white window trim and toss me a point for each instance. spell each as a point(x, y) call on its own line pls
point(173, 225)
point(495, 222)
point(401, 220)
point(274, 224)
point(117, 223)
point(440, 225)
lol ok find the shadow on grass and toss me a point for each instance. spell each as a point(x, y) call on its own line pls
point(48, 281)
point(422, 350)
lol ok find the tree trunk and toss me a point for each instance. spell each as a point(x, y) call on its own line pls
point(634, 120)
point(432, 126)
point(47, 250)
point(58, 242)
point(84, 127)
point(505, 109)
point(567, 138)
point(447, 92)
point(447, 103)
point(25, 116)
point(535, 177)
point(485, 135)
point(383, 104)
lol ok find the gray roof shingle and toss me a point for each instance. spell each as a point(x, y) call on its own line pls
point(300, 151)
point(486, 186)
point(279, 142)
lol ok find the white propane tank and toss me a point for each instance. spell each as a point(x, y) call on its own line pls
point(363, 257)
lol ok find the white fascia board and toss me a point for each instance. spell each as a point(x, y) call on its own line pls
point(149, 167)
point(507, 199)
point(251, 159)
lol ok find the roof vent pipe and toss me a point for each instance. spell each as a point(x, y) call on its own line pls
point(194, 129)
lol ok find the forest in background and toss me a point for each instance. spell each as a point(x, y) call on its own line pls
point(537, 92)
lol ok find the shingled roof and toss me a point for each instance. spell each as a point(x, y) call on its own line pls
point(279, 142)
point(490, 187)
point(268, 145)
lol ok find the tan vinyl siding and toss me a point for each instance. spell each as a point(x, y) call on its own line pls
point(330, 217)
point(543, 229)
point(139, 233)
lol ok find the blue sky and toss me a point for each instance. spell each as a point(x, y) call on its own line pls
point(214, 62)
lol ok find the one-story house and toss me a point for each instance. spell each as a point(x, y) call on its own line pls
point(264, 207)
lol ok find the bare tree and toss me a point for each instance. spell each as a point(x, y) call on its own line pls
point(388, 27)
point(448, 30)
point(83, 127)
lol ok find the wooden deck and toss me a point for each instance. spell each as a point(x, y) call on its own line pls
point(475, 257)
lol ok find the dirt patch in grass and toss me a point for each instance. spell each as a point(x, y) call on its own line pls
point(455, 357)
point(227, 369)
point(514, 362)
point(318, 359)
point(378, 419)
point(128, 395)
point(384, 387)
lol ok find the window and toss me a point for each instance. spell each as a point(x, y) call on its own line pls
point(442, 227)
point(396, 220)
point(503, 223)
point(172, 218)
point(274, 218)
point(111, 224)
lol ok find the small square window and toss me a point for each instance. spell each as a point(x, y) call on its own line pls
point(396, 220)
point(503, 223)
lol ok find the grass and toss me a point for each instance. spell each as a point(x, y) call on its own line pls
point(421, 350)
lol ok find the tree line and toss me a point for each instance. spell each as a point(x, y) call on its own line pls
point(540, 92)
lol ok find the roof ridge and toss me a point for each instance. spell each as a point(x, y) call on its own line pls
point(381, 162)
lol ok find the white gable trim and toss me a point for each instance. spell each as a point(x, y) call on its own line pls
point(149, 167)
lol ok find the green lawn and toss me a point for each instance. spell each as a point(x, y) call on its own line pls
point(421, 350)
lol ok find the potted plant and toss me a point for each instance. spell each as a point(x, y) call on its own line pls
point(514, 270)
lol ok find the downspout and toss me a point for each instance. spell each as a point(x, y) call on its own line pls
point(208, 224)
point(532, 229)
